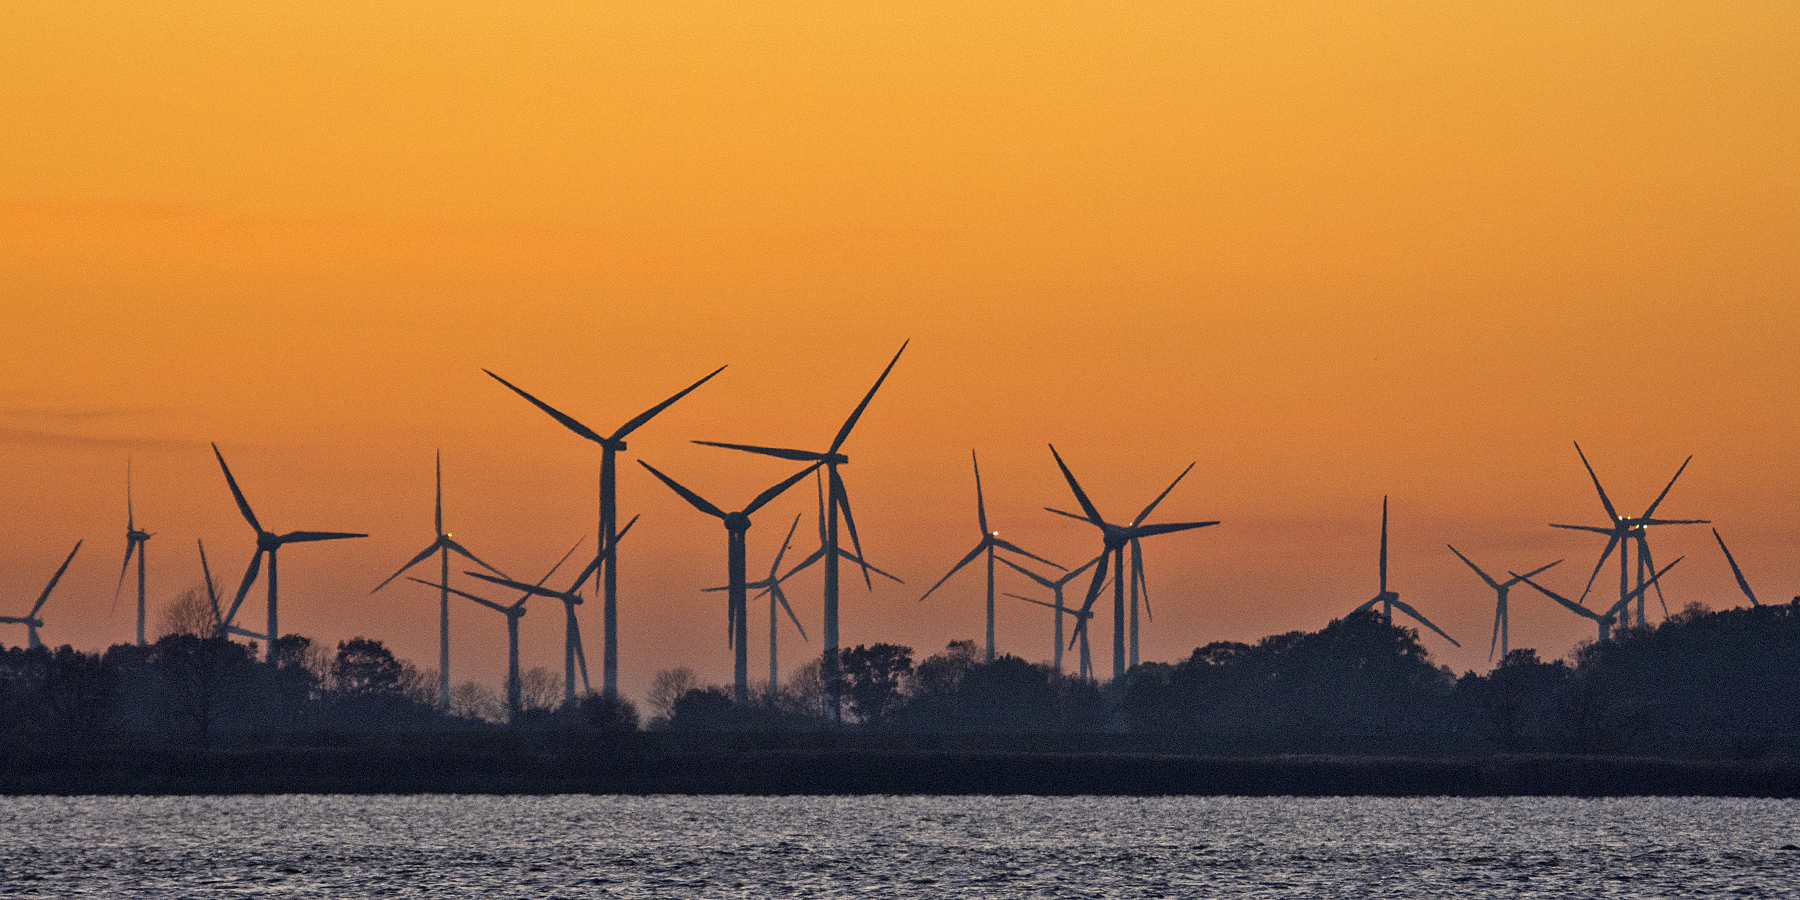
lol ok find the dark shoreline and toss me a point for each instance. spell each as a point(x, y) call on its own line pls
point(859, 772)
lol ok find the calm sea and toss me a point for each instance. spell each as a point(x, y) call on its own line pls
point(580, 846)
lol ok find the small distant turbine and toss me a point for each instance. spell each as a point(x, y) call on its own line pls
point(1389, 599)
point(1626, 529)
point(136, 540)
point(30, 620)
point(737, 525)
point(1056, 586)
point(573, 654)
point(839, 502)
point(1501, 620)
point(610, 445)
point(990, 541)
point(1115, 538)
point(513, 613)
point(267, 542)
point(443, 546)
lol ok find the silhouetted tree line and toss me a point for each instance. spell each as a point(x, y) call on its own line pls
point(1716, 684)
point(1702, 683)
point(198, 692)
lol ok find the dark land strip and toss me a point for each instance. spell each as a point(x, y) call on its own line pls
point(851, 772)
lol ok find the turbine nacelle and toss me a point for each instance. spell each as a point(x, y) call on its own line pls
point(737, 522)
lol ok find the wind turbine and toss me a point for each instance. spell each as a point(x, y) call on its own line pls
point(30, 620)
point(443, 546)
point(609, 515)
point(840, 501)
point(1624, 529)
point(737, 525)
point(1743, 584)
point(267, 542)
point(1056, 586)
point(135, 540)
point(1606, 621)
point(1501, 622)
point(990, 541)
point(1389, 599)
point(513, 613)
point(571, 598)
point(1114, 539)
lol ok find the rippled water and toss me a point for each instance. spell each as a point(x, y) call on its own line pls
point(579, 846)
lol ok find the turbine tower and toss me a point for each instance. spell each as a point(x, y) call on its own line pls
point(1389, 599)
point(737, 525)
point(443, 546)
point(573, 654)
point(267, 542)
point(1056, 586)
point(990, 541)
point(1501, 621)
point(513, 613)
point(772, 587)
point(1625, 529)
point(30, 620)
point(839, 502)
point(609, 516)
point(135, 540)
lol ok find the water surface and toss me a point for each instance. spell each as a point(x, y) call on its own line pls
point(582, 846)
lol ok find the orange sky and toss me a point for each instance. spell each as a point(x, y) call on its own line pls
point(1327, 252)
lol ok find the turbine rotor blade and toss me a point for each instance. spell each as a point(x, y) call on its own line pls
point(1027, 572)
point(1743, 584)
point(53, 580)
point(776, 565)
point(1384, 501)
point(553, 412)
point(1604, 556)
point(844, 432)
point(1604, 501)
point(302, 537)
point(1087, 506)
point(777, 452)
point(650, 413)
point(973, 554)
point(763, 498)
point(1159, 497)
point(695, 500)
point(980, 505)
point(1015, 548)
point(211, 595)
point(244, 586)
point(1665, 491)
point(238, 495)
point(1093, 594)
point(1405, 608)
point(1144, 531)
point(424, 554)
point(782, 598)
point(460, 549)
point(580, 656)
point(842, 498)
point(1484, 577)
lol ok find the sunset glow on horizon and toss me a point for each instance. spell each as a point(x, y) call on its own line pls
point(1328, 253)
